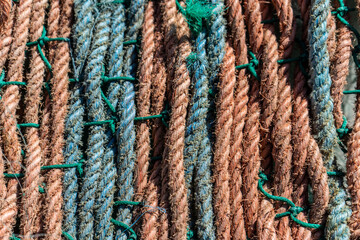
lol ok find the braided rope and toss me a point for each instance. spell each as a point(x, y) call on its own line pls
point(175, 135)
point(150, 228)
point(8, 115)
point(59, 82)
point(126, 106)
point(90, 191)
point(237, 27)
point(281, 135)
point(251, 142)
point(225, 107)
point(324, 124)
point(143, 99)
point(31, 203)
point(341, 68)
point(74, 124)
point(198, 142)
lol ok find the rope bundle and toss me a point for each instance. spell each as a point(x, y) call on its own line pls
point(177, 119)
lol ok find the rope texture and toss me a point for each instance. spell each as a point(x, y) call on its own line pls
point(322, 107)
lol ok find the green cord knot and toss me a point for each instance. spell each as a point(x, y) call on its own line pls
point(254, 62)
point(40, 42)
point(295, 210)
point(196, 11)
point(342, 10)
point(263, 177)
point(343, 130)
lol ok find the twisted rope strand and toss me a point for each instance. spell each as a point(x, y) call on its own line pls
point(176, 134)
point(324, 123)
point(143, 99)
point(74, 124)
point(251, 142)
point(5, 9)
point(8, 115)
point(151, 227)
point(95, 146)
point(60, 93)
point(126, 106)
point(31, 203)
point(225, 107)
point(341, 68)
point(281, 135)
point(266, 221)
point(237, 28)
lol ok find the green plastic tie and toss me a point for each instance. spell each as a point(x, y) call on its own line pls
point(336, 173)
point(14, 175)
point(126, 228)
point(67, 235)
point(293, 211)
point(41, 42)
point(164, 115)
point(14, 238)
point(77, 165)
point(196, 11)
point(119, 203)
point(251, 65)
point(343, 130)
point(352, 91)
point(130, 42)
point(23, 125)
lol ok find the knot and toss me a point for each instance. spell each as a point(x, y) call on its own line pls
point(295, 210)
point(79, 167)
point(195, 12)
point(191, 59)
point(263, 176)
point(341, 10)
point(343, 130)
point(253, 63)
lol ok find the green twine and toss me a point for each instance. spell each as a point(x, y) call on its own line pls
point(21, 125)
point(293, 211)
point(351, 91)
point(343, 130)
point(126, 228)
point(78, 167)
point(119, 203)
point(41, 42)
point(14, 238)
point(336, 173)
point(67, 236)
point(340, 13)
point(196, 11)
point(251, 65)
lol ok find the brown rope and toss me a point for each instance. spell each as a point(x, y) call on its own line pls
point(11, 98)
point(237, 27)
point(251, 158)
point(143, 100)
point(340, 70)
point(31, 199)
point(176, 134)
point(60, 94)
point(266, 221)
point(5, 9)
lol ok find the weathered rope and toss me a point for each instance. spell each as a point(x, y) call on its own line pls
point(324, 123)
point(31, 200)
point(251, 159)
point(12, 150)
point(126, 108)
point(237, 28)
point(59, 109)
point(5, 9)
point(95, 143)
point(74, 123)
point(281, 134)
point(341, 64)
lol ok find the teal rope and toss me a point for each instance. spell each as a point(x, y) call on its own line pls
point(293, 211)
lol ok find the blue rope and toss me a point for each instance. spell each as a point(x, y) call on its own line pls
point(126, 108)
point(322, 106)
point(104, 202)
point(90, 213)
point(205, 228)
point(74, 121)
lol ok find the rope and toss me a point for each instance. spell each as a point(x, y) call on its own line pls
point(10, 101)
point(238, 31)
point(31, 200)
point(74, 124)
point(224, 121)
point(126, 108)
point(90, 191)
point(197, 153)
point(324, 123)
point(251, 141)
